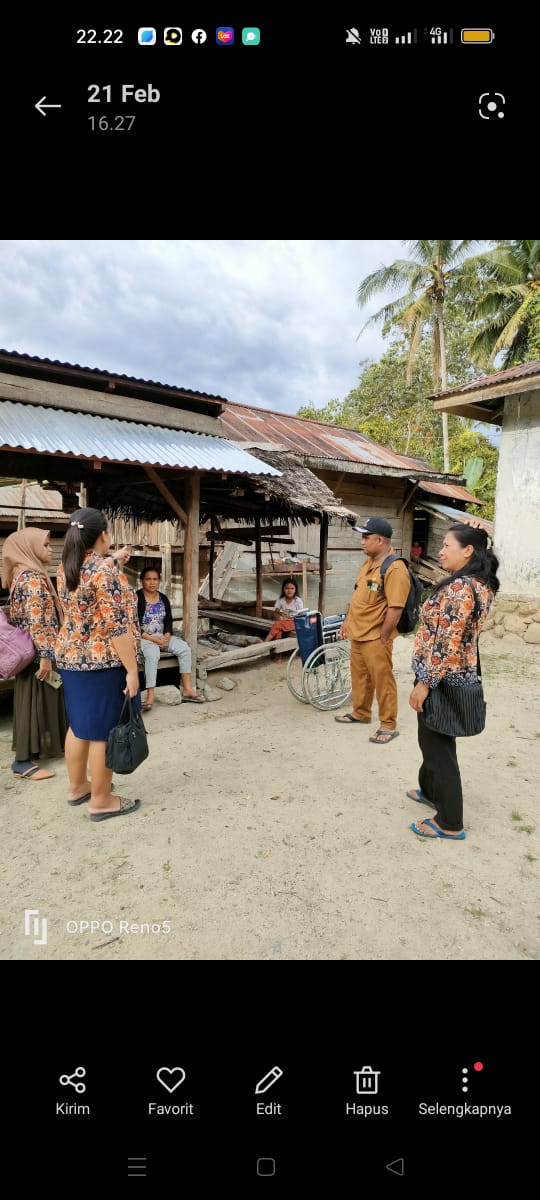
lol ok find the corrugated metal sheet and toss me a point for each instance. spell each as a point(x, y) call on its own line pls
point(457, 515)
point(51, 431)
point(12, 357)
point(255, 426)
point(452, 490)
point(494, 380)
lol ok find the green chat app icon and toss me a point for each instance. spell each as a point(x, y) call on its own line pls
point(251, 36)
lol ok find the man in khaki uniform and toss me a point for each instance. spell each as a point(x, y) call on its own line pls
point(370, 624)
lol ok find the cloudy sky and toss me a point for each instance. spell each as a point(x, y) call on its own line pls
point(270, 323)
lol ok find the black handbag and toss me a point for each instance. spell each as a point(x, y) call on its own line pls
point(127, 745)
point(457, 711)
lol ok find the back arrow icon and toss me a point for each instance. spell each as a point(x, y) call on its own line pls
point(41, 106)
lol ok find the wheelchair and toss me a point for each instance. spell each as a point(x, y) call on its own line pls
point(319, 670)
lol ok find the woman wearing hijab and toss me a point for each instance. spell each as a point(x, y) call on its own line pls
point(39, 717)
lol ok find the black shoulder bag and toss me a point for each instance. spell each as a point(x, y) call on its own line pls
point(127, 745)
point(457, 711)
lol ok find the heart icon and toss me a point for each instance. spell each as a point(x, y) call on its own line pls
point(171, 1077)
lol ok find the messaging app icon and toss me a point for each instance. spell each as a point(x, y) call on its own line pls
point(251, 36)
point(147, 36)
point(224, 35)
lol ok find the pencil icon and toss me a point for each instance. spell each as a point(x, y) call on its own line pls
point(267, 1080)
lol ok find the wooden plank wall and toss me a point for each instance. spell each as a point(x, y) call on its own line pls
point(369, 496)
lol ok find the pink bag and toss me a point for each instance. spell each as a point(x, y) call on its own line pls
point(17, 649)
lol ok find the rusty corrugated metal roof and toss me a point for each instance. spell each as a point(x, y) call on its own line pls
point(313, 439)
point(45, 366)
point(51, 431)
point(452, 490)
point(494, 380)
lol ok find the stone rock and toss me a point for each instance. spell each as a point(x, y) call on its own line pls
point(168, 695)
point(497, 631)
point(512, 639)
point(498, 618)
point(227, 684)
point(488, 623)
point(529, 620)
point(514, 624)
point(529, 608)
point(211, 693)
point(507, 606)
point(533, 634)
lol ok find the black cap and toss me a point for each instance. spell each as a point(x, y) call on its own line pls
point(376, 525)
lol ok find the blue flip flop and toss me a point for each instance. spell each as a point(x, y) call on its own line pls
point(419, 797)
point(457, 837)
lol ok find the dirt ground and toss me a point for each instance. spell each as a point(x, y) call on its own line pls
point(266, 831)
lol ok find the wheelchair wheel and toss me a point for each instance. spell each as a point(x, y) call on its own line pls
point(295, 671)
point(327, 675)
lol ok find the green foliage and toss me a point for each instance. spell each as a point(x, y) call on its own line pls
point(473, 471)
point(387, 410)
point(507, 309)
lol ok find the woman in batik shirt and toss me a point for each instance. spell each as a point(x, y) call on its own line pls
point(445, 647)
point(96, 656)
point(39, 717)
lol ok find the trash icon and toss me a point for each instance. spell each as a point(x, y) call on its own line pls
point(367, 1080)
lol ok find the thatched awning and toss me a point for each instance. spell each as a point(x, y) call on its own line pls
point(300, 494)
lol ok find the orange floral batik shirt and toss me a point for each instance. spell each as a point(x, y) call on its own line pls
point(445, 646)
point(32, 608)
point(95, 613)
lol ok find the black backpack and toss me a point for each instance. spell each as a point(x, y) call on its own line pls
point(411, 611)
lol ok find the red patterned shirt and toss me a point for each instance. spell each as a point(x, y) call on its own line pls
point(32, 608)
point(447, 638)
point(95, 613)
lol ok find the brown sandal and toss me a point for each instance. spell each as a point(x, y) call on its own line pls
point(35, 773)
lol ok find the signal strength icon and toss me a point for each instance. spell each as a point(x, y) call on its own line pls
point(407, 39)
point(440, 37)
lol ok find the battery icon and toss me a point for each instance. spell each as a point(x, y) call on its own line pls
point(478, 37)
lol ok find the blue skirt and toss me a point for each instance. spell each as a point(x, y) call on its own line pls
point(94, 701)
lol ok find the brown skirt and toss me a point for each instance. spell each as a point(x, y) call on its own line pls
point(39, 717)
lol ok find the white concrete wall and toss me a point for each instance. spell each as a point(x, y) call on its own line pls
point(517, 501)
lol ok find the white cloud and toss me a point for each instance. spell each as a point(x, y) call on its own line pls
point(270, 323)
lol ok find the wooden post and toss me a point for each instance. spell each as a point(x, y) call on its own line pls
point(304, 583)
point(21, 521)
point(166, 562)
point(191, 567)
point(258, 568)
point(322, 560)
point(211, 562)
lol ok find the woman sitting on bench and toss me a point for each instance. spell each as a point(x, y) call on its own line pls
point(155, 620)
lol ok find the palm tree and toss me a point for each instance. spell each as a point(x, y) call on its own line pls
point(510, 307)
point(437, 269)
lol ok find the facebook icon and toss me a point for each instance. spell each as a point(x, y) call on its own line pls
point(199, 36)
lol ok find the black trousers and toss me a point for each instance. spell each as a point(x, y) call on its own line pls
point(439, 777)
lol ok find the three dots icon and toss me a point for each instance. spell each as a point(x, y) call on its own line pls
point(477, 1066)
